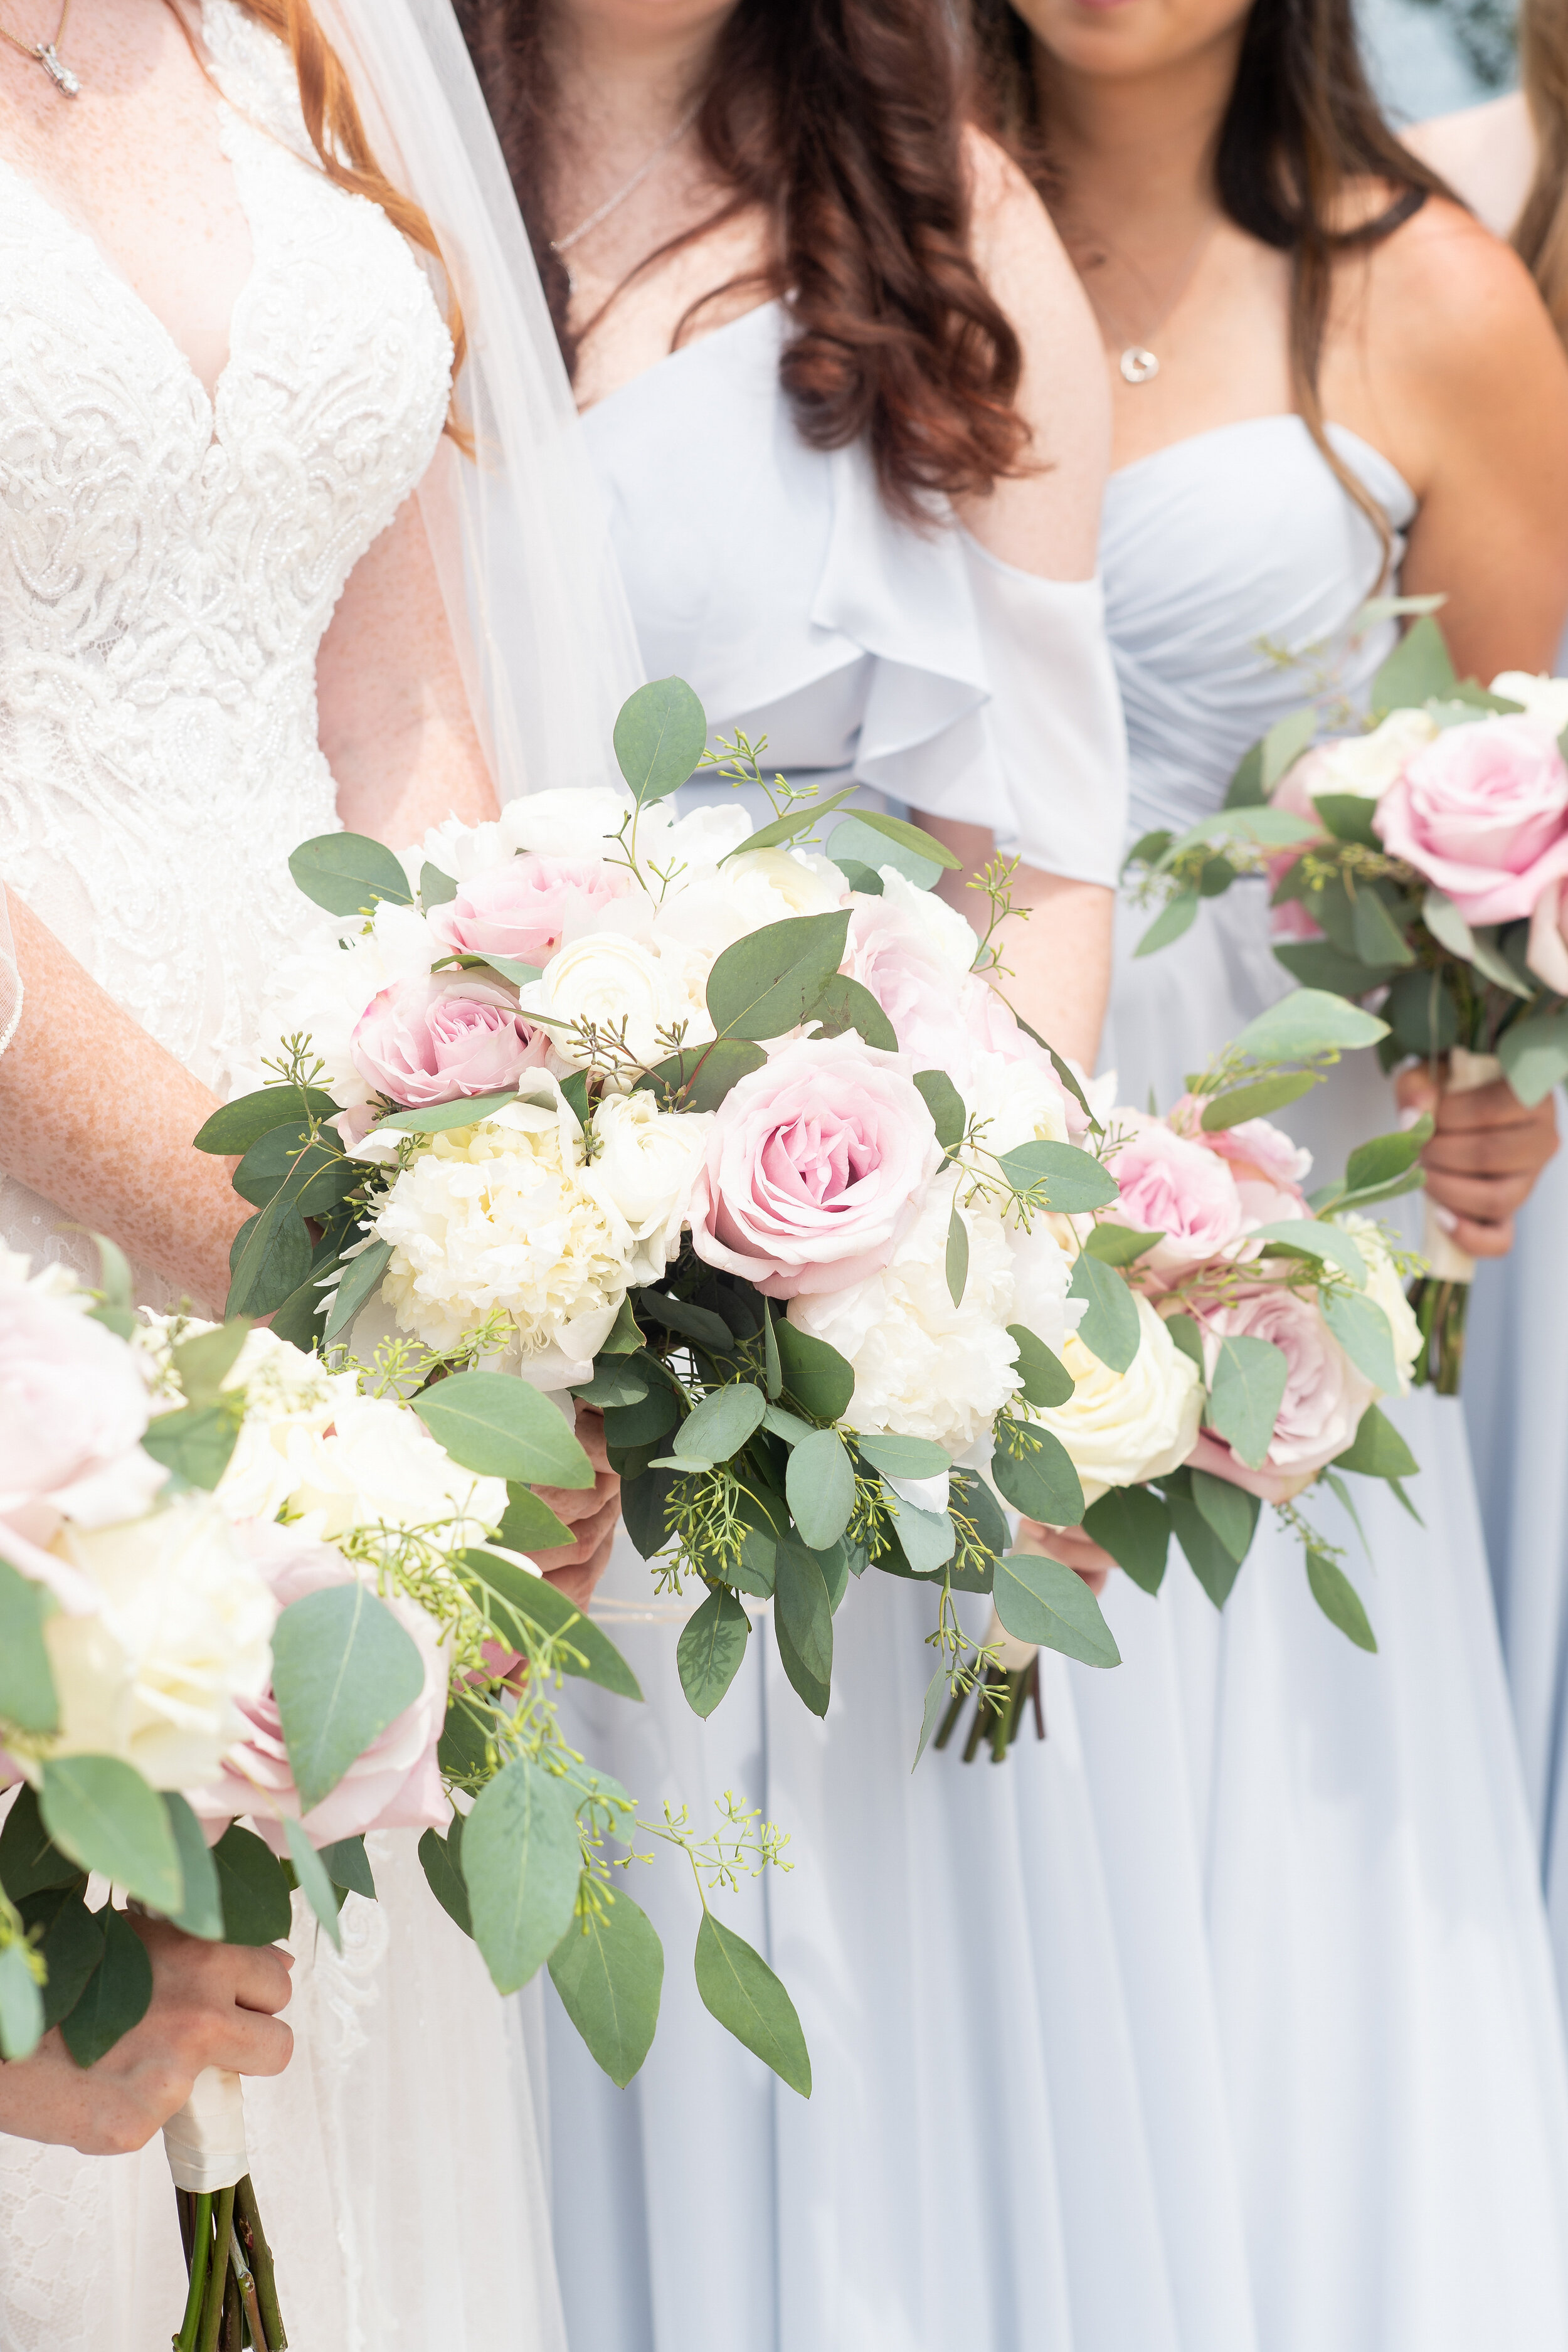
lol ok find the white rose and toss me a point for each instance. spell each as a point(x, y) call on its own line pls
point(459, 850)
point(1042, 1270)
point(646, 1165)
point(923, 1366)
point(497, 1217)
point(1018, 1102)
point(712, 909)
point(1540, 698)
point(1122, 1427)
point(322, 993)
point(614, 982)
point(699, 838)
point(182, 1633)
point(1365, 765)
point(948, 931)
point(568, 823)
point(1385, 1288)
point(380, 1467)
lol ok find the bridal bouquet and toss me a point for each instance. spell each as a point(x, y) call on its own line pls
point(1240, 1335)
point(240, 1587)
point(1427, 861)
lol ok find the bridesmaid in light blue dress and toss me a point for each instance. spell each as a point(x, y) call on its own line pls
point(1352, 1829)
point(974, 2166)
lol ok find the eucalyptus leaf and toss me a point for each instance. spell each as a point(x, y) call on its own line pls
point(1309, 1021)
point(439, 1119)
point(196, 1443)
point(1043, 1601)
point(787, 1426)
point(102, 1813)
point(71, 1947)
point(530, 1525)
point(1118, 1244)
point(699, 1077)
point(709, 1653)
point(898, 1457)
point(945, 1104)
point(359, 1281)
point(661, 733)
point(652, 1417)
point(116, 1997)
point(348, 873)
point(854, 843)
point(722, 1423)
point(314, 1884)
point(1378, 938)
point(1325, 968)
point(201, 1909)
point(1338, 1599)
point(30, 1862)
point(1110, 1329)
point(1349, 817)
point(820, 1485)
point(1422, 1012)
point(1534, 1055)
point(793, 822)
point(28, 1696)
point(203, 1364)
point(440, 1858)
point(1257, 1100)
point(1133, 1525)
point(1177, 915)
point(773, 1364)
point(1214, 1566)
point(926, 1539)
point(913, 838)
point(273, 1261)
point(252, 1887)
point(21, 2006)
point(767, 982)
point(645, 1502)
point(741, 1990)
point(1186, 1334)
point(1060, 1176)
point(615, 1382)
point(845, 1004)
point(436, 889)
point(700, 1323)
point(802, 1623)
point(520, 1858)
point(347, 1865)
point(1043, 1378)
point(343, 1668)
point(502, 1428)
point(1378, 1449)
point(1373, 1164)
point(608, 1969)
point(931, 1713)
point(518, 1602)
point(815, 1374)
point(1418, 669)
point(1246, 1388)
point(1317, 1237)
point(231, 1131)
point(956, 1263)
point(1042, 1482)
point(1285, 743)
point(1362, 1329)
point(1229, 1511)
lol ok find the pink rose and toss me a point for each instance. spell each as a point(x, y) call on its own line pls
point(394, 1785)
point(918, 988)
point(815, 1167)
point(1176, 1186)
point(1325, 1395)
point(1482, 811)
point(73, 1406)
point(436, 1040)
point(1267, 1164)
point(1547, 955)
point(523, 909)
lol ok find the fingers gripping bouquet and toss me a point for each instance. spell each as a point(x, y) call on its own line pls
point(1237, 1335)
point(1425, 863)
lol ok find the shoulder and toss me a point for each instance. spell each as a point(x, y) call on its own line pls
point(1008, 220)
point(1487, 155)
point(1448, 299)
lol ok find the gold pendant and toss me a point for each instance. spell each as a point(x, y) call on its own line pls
point(1137, 364)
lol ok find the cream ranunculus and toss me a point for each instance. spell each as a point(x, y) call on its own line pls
point(1362, 765)
point(378, 1466)
point(615, 984)
point(181, 1637)
point(566, 823)
point(645, 1166)
point(1121, 1427)
point(1385, 1287)
point(1538, 697)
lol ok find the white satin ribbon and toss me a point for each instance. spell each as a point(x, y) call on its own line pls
point(204, 2143)
point(1466, 1073)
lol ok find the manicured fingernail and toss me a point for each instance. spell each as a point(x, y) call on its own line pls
point(1445, 1217)
point(1408, 1118)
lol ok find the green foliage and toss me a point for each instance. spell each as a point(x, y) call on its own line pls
point(502, 1428)
point(785, 828)
point(440, 1858)
point(766, 983)
point(439, 1119)
point(700, 1076)
point(1348, 816)
point(720, 1424)
point(956, 1260)
point(520, 1861)
point(1133, 1524)
point(1378, 1450)
point(1118, 1244)
point(1307, 1023)
point(918, 856)
point(1229, 1511)
point(608, 1969)
point(348, 873)
point(1043, 1601)
point(1361, 1326)
point(1038, 1478)
point(926, 1539)
point(1058, 1176)
point(741, 1990)
point(711, 1645)
point(361, 1280)
point(945, 1104)
point(1246, 1392)
point(30, 1862)
point(1315, 1237)
point(1338, 1599)
point(845, 1004)
point(802, 1621)
point(101, 1812)
point(815, 1374)
point(273, 1258)
point(820, 1485)
point(1110, 1329)
point(1177, 915)
point(196, 1443)
point(436, 889)
point(904, 1458)
point(347, 1865)
point(530, 1525)
point(231, 1131)
point(70, 1949)
point(343, 1669)
point(28, 1696)
point(314, 1882)
point(1418, 669)
point(1213, 1564)
point(1534, 1055)
point(254, 1889)
point(1422, 1012)
point(692, 1322)
point(660, 735)
point(527, 1610)
point(201, 1909)
point(1325, 968)
point(21, 2005)
point(1043, 1378)
point(1258, 1099)
point(116, 1997)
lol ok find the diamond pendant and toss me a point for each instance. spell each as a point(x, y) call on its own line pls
point(1137, 364)
point(63, 80)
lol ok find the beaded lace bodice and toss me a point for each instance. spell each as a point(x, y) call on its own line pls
point(169, 564)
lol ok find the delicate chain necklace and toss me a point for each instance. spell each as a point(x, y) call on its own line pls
point(1137, 364)
point(43, 53)
point(563, 245)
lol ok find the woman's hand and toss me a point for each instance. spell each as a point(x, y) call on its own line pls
point(1071, 1547)
point(213, 2005)
point(592, 1512)
point(1484, 1158)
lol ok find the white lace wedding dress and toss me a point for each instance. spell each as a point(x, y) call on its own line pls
point(168, 565)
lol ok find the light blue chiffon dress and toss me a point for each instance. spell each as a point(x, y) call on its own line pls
point(975, 2166)
point(1352, 1829)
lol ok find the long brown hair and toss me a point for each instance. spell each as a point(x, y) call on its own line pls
point(842, 120)
point(1541, 238)
point(1301, 127)
point(338, 135)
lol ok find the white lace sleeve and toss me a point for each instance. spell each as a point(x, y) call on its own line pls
point(1055, 716)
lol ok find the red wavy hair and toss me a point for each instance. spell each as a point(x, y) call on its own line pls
point(843, 120)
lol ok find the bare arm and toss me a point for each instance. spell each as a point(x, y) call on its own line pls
point(396, 725)
point(1059, 954)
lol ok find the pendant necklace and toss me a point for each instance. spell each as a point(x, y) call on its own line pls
point(561, 245)
point(1136, 362)
point(46, 54)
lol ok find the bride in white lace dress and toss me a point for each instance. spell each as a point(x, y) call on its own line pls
point(221, 379)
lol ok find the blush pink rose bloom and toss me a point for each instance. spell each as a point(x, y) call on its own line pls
point(394, 1785)
point(917, 987)
point(73, 1407)
point(523, 909)
point(1482, 811)
point(436, 1040)
point(1325, 1395)
point(1267, 1165)
point(814, 1168)
point(1547, 954)
point(1176, 1186)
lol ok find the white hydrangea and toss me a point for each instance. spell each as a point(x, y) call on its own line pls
point(499, 1217)
point(1121, 1427)
point(322, 991)
point(378, 1466)
point(1385, 1288)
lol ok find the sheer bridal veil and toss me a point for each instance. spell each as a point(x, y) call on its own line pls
point(518, 531)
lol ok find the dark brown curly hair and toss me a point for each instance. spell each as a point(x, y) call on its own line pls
point(843, 119)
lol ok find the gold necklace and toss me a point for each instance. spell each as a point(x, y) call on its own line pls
point(46, 53)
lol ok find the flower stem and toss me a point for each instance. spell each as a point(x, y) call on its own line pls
point(254, 2240)
point(212, 2317)
point(1441, 1309)
point(201, 2254)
